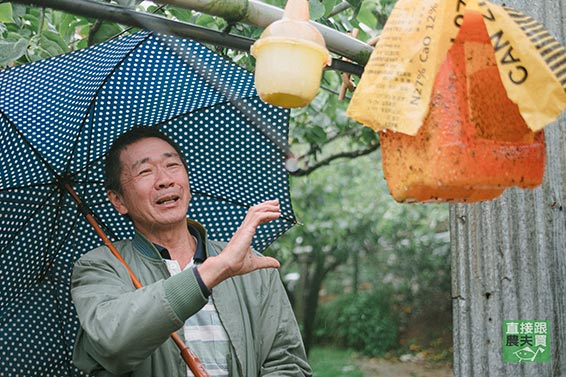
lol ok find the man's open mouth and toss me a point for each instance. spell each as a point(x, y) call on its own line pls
point(167, 200)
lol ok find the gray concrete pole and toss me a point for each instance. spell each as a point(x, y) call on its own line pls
point(509, 255)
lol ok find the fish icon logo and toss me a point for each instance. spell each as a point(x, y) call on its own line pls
point(527, 354)
point(526, 341)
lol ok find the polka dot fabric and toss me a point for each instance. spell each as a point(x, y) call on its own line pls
point(57, 120)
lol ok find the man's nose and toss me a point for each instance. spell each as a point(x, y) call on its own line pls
point(163, 179)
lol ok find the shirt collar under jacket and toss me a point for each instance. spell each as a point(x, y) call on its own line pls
point(142, 244)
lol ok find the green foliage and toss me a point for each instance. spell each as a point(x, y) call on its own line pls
point(316, 9)
point(364, 322)
point(332, 362)
point(12, 49)
point(339, 205)
point(5, 12)
point(105, 31)
point(367, 240)
point(29, 34)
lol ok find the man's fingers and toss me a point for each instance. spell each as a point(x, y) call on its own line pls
point(267, 262)
point(263, 212)
point(264, 208)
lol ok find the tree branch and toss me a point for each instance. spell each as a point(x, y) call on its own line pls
point(93, 30)
point(353, 154)
point(339, 8)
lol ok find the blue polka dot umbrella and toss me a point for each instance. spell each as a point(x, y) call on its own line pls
point(59, 116)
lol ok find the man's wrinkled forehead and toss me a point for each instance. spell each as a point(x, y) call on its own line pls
point(165, 156)
point(145, 150)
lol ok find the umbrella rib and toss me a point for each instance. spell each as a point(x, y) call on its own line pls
point(210, 77)
point(87, 167)
point(26, 141)
point(82, 206)
point(46, 204)
point(15, 234)
point(239, 204)
point(92, 104)
point(51, 279)
point(281, 147)
point(26, 187)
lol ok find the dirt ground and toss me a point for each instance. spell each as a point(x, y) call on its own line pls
point(391, 368)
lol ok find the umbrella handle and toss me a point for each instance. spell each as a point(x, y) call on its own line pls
point(188, 356)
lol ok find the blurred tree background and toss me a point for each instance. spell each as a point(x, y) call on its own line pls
point(363, 272)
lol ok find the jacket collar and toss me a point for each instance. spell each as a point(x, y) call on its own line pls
point(155, 251)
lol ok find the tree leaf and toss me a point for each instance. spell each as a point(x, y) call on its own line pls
point(6, 12)
point(107, 31)
point(83, 43)
point(355, 4)
point(317, 135)
point(33, 20)
point(328, 6)
point(366, 17)
point(68, 25)
point(316, 9)
point(47, 49)
point(56, 39)
point(11, 51)
point(180, 14)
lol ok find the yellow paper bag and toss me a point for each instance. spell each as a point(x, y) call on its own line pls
point(394, 91)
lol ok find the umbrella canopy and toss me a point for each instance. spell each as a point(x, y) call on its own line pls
point(58, 118)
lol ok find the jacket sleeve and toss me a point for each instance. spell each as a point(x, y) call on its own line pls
point(285, 354)
point(120, 326)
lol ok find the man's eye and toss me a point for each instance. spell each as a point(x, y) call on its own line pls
point(144, 172)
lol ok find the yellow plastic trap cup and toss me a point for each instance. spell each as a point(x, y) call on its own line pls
point(290, 56)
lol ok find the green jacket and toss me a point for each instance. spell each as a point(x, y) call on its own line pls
point(126, 332)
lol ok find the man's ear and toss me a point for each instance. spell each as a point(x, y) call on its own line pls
point(117, 201)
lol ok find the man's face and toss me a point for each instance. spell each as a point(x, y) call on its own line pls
point(155, 186)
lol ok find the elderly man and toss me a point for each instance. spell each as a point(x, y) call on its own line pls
point(226, 301)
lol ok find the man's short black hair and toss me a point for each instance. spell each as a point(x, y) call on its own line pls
point(113, 165)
